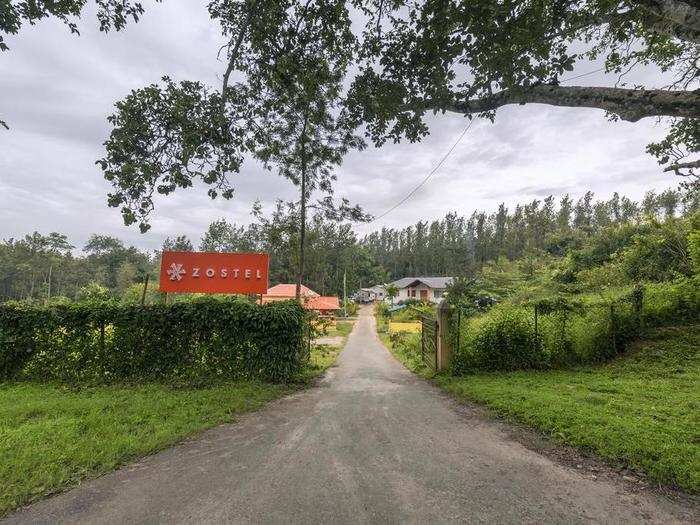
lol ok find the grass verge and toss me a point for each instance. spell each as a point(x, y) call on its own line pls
point(53, 436)
point(405, 348)
point(341, 328)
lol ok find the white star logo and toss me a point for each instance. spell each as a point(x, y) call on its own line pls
point(176, 271)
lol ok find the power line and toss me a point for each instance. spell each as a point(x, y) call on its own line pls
point(449, 152)
point(428, 176)
point(583, 75)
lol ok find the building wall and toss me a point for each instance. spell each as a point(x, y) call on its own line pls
point(405, 293)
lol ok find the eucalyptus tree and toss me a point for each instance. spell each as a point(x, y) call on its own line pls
point(475, 57)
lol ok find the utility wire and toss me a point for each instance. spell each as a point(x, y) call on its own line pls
point(449, 152)
point(427, 177)
point(583, 74)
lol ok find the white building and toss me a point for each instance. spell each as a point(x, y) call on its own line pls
point(368, 295)
point(422, 288)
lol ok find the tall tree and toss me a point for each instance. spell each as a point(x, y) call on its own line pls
point(291, 59)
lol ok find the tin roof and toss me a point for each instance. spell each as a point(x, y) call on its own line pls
point(431, 282)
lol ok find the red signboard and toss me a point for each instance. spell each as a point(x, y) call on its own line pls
point(207, 272)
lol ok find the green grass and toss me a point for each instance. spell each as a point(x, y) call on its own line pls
point(405, 348)
point(341, 328)
point(641, 410)
point(53, 436)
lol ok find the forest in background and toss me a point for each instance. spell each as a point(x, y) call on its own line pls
point(48, 267)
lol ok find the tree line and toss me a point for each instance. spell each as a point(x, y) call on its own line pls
point(459, 245)
point(40, 267)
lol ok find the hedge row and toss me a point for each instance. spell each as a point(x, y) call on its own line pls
point(564, 333)
point(188, 341)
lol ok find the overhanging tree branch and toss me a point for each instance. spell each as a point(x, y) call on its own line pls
point(628, 104)
point(683, 166)
point(684, 13)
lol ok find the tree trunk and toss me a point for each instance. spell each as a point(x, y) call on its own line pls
point(628, 104)
point(302, 211)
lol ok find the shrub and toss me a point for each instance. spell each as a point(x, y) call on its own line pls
point(408, 347)
point(382, 309)
point(572, 332)
point(672, 302)
point(413, 312)
point(351, 308)
point(188, 341)
point(134, 293)
point(659, 255)
point(93, 292)
point(505, 340)
point(694, 241)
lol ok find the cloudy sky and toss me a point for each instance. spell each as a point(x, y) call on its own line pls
point(56, 90)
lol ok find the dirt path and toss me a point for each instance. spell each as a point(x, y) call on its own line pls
point(371, 444)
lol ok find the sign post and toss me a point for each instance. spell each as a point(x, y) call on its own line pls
point(209, 272)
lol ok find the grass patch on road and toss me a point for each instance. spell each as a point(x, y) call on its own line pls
point(53, 436)
point(641, 410)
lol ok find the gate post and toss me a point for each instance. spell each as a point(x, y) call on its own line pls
point(444, 341)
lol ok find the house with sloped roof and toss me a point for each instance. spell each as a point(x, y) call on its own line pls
point(324, 305)
point(368, 295)
point(422, 288)
point(282, 292)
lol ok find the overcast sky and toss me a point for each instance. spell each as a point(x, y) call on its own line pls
point(56, 90)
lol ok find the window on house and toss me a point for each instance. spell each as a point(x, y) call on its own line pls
point(413, 293)
point(438, 293)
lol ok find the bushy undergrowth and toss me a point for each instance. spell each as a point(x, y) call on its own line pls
point(570, 332)
point(413, 312)
point(504, 340)
point(187, 341)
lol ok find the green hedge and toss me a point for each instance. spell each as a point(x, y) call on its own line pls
point(187, 341)
point(570, 332)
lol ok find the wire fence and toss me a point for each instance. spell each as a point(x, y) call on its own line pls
point(546, 333)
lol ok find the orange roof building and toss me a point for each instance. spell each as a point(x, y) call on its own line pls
point(325, 305)
point(289, 291)
point(322, 303)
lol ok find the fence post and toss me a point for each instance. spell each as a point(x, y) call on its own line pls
point(612, 327)
point(444, 341)
point(459, 328)
point(145, 288)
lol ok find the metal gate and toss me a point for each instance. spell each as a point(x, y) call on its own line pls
point(428, 341)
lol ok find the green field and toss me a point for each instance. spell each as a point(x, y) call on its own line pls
point(52, 436)
point(641, 410)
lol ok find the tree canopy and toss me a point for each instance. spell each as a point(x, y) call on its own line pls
point(287, 61)
point(474, 57)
